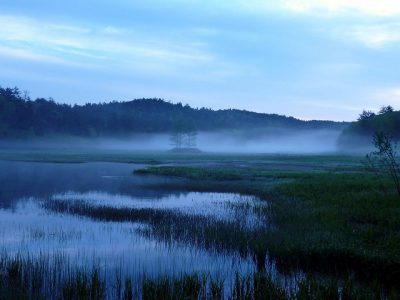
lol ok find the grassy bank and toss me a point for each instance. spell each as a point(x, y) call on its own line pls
point(332, 222)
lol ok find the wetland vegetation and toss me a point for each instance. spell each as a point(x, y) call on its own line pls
point(198, 226)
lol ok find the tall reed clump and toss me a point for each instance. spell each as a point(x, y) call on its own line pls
point(30, 278)
point(254, 287)
point(187, 287)
point(48, 278)
point(84, 286)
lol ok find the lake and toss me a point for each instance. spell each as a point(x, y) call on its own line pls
point(102, 215)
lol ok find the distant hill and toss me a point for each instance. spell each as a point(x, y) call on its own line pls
point(359, 134)
point(22, 117)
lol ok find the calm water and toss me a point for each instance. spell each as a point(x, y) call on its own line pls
point(27, 228)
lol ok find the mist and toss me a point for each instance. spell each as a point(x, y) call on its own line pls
point(270, 140)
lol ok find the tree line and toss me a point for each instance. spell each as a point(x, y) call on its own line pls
point(20, 116)
point(359, 133)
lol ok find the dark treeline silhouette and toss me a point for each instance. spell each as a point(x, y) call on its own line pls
point(361, 132)
point(21, 117)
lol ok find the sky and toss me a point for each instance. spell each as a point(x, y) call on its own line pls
point(310, 59)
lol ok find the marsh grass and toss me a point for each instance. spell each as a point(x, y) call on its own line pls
point(25, 277)
point(262, 161)
point(330, 222)
point(256, 286)
point(334, 221)
point(193, 173)
point(206, 232)
point(22, 278)
point(343, 221)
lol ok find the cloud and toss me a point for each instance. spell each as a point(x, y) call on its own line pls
point(29, 55)
point(373, 23)
point(389, 96)
point(53, 42)
point(368, 7)
point(375, 36)
point(248, 54)
point(322, 104)
point(378, 8)
point(113, 30)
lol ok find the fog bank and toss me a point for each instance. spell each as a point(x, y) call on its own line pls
point(271, 140)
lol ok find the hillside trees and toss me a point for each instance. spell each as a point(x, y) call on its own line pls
point(22, 117)
point(359, 134)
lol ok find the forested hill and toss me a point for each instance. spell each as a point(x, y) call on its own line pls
point(359, 134)
point(21, 117)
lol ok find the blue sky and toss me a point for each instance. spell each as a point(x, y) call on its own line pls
point(326, 59)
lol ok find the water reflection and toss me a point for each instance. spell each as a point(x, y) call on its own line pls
point(30, 229)
point(30, 179)
point(27, 228)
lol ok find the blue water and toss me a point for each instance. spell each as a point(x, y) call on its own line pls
point(28, 229)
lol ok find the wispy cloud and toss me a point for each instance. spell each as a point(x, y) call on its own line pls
point(380, 8)
point(368, 7)
point(375, 36)
point(323, 58)
point(29, 55)
point(322, 104)
point(373, 23)
point(389, 96)
point(54, 43)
